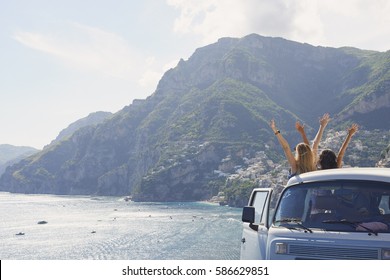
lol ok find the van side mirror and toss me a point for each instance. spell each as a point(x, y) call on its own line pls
point(248, 214)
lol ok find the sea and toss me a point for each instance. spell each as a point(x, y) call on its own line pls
point(52, 227)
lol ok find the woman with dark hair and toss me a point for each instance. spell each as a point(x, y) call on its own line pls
point(328, 158)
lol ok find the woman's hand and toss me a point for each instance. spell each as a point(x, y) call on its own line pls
point(299, 127)
point(353, 129)
point(273, 125)
point(324, 119)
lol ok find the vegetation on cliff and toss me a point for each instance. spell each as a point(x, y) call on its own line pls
point(209, 117)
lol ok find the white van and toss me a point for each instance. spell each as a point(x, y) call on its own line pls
point(330, 214)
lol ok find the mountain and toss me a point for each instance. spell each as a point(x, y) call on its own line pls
point(10, 154)
point(92, 119)
point(209, 115)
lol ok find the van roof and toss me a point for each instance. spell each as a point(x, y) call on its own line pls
point(367, 173)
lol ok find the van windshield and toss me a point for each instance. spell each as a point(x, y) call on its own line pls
point(340, 205)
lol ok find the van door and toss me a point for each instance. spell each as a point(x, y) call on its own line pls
point(254, 236)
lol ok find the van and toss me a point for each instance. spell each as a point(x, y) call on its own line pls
point(329, 214)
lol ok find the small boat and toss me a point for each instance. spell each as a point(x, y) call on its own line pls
point(42, 222)
point(20, 233)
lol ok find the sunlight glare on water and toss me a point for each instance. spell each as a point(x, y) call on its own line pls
point(109, 228)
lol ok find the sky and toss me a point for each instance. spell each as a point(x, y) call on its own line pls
point(62, 60)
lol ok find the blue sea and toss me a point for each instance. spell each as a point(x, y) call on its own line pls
point(50, 227)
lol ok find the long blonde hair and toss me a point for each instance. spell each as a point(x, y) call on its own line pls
point(304, 158)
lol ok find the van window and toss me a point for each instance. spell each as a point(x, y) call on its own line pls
point(335, 205)
point(259, 202)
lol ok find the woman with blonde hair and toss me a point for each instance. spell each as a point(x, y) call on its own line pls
point(304, 160)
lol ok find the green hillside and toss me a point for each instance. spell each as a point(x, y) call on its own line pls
point(209, 117)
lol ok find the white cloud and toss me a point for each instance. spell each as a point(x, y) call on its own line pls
point(86, 48)
point(212, 19)
point(360, 23)
point(170, 64)
point(307, 25)
point(152, 76)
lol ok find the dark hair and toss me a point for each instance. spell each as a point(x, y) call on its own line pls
point(328, 160)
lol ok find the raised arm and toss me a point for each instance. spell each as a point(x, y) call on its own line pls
point(286, 147)
point(324, 120)
point(351, 131)
point(301, 129)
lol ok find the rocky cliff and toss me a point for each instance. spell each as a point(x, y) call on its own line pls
point(209, 114)
point(10, 154)
point(385, 158)
point(90, 120)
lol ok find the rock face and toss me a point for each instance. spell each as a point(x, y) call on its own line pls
point(174, 145)
point(385, 158)
point(92, 119)
point(10, 154)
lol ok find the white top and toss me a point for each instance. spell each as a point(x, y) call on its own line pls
point(366, 173)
